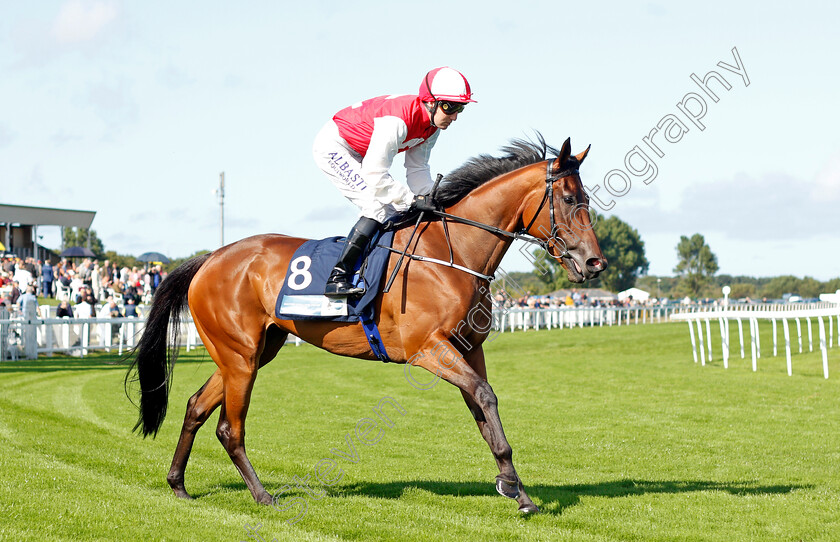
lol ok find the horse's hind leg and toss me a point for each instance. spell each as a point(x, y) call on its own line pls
point(199, 408)
point(239, 381)
point(231, 428)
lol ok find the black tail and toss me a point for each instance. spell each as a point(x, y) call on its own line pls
point(153, 360)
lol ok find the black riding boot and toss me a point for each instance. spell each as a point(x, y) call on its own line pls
point(339, 284)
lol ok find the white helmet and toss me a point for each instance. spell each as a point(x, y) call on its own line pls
point(445, 84)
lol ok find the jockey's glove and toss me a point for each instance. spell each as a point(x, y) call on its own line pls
point(424, 202)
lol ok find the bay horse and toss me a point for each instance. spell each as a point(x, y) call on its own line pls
point(231, 294)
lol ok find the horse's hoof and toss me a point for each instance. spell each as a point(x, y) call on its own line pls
point(529, 508)
point(507, 488)
point(181, 493)
point(265, 498)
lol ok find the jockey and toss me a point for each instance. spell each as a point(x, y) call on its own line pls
point(357, 147)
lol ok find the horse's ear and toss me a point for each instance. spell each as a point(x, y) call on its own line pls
point(580, 157)
point(565, 152)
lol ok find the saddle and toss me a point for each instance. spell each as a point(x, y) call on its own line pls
point(302, 295)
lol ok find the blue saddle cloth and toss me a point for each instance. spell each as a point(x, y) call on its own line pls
point(302, 295)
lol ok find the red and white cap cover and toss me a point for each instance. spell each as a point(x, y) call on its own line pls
point(445, 84)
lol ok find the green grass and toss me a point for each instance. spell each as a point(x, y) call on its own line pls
point(617, 434)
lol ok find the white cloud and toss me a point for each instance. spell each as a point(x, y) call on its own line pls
point(80, 21)
point(63, 137)
point(7, 137)
point(775, 206)
point(828, 180)
point(113, 102)
point(174, 78)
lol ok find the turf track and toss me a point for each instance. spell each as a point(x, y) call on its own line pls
point(616, 433)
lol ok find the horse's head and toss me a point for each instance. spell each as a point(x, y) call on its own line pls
point(562, 218)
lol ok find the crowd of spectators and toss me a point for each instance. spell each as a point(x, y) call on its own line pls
point(570, 298)
point(86, 289)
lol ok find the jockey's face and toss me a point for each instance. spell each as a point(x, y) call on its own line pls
point(442, 120)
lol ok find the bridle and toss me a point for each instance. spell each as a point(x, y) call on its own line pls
point(549, 195)
point(522, 234)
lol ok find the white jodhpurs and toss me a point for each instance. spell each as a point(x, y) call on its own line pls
point(343, 166)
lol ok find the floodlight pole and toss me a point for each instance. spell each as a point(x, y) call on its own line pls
point(222, 209)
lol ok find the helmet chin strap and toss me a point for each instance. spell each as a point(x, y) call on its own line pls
point(434, 109)
point(432, 114)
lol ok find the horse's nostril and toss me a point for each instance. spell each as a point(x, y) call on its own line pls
point(596, 264)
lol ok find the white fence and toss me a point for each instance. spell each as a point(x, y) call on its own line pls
point(523, 319)
point(823, 312)
point(29, 337)
point(519, 318)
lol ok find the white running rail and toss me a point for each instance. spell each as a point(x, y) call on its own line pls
point(827, 317)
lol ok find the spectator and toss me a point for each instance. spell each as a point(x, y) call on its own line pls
point(111, 310)
point(76, 285)
point(95, 278)
point(14, 295)
point(84, 271)
point(154, 275)
point(64, 276)
point(28, 300)
point(130, 292)
point(64, 310)
point(104, 276)
point(130, 308)
point(117, 286)
point(23, 277)
point(87, 295)
point(114, 310)
point(84, 309)
point(34, 269)
point(47, 278)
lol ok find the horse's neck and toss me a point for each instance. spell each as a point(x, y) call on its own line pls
point(498, 203)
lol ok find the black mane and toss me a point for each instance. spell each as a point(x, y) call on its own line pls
point(480, 169)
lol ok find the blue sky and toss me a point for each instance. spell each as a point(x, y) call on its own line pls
point(133, 109)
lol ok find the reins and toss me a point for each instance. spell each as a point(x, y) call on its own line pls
point(522, 234)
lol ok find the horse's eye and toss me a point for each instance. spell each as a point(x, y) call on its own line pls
point(569, 200)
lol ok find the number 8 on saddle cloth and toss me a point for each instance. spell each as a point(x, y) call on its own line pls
point(302, 295)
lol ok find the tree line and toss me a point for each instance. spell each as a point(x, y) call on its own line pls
point(695, 274)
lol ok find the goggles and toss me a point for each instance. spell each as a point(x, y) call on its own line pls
point(450, 108)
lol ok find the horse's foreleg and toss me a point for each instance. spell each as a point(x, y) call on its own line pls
point(469, 375)
point(506, 485)
point(199, 408)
